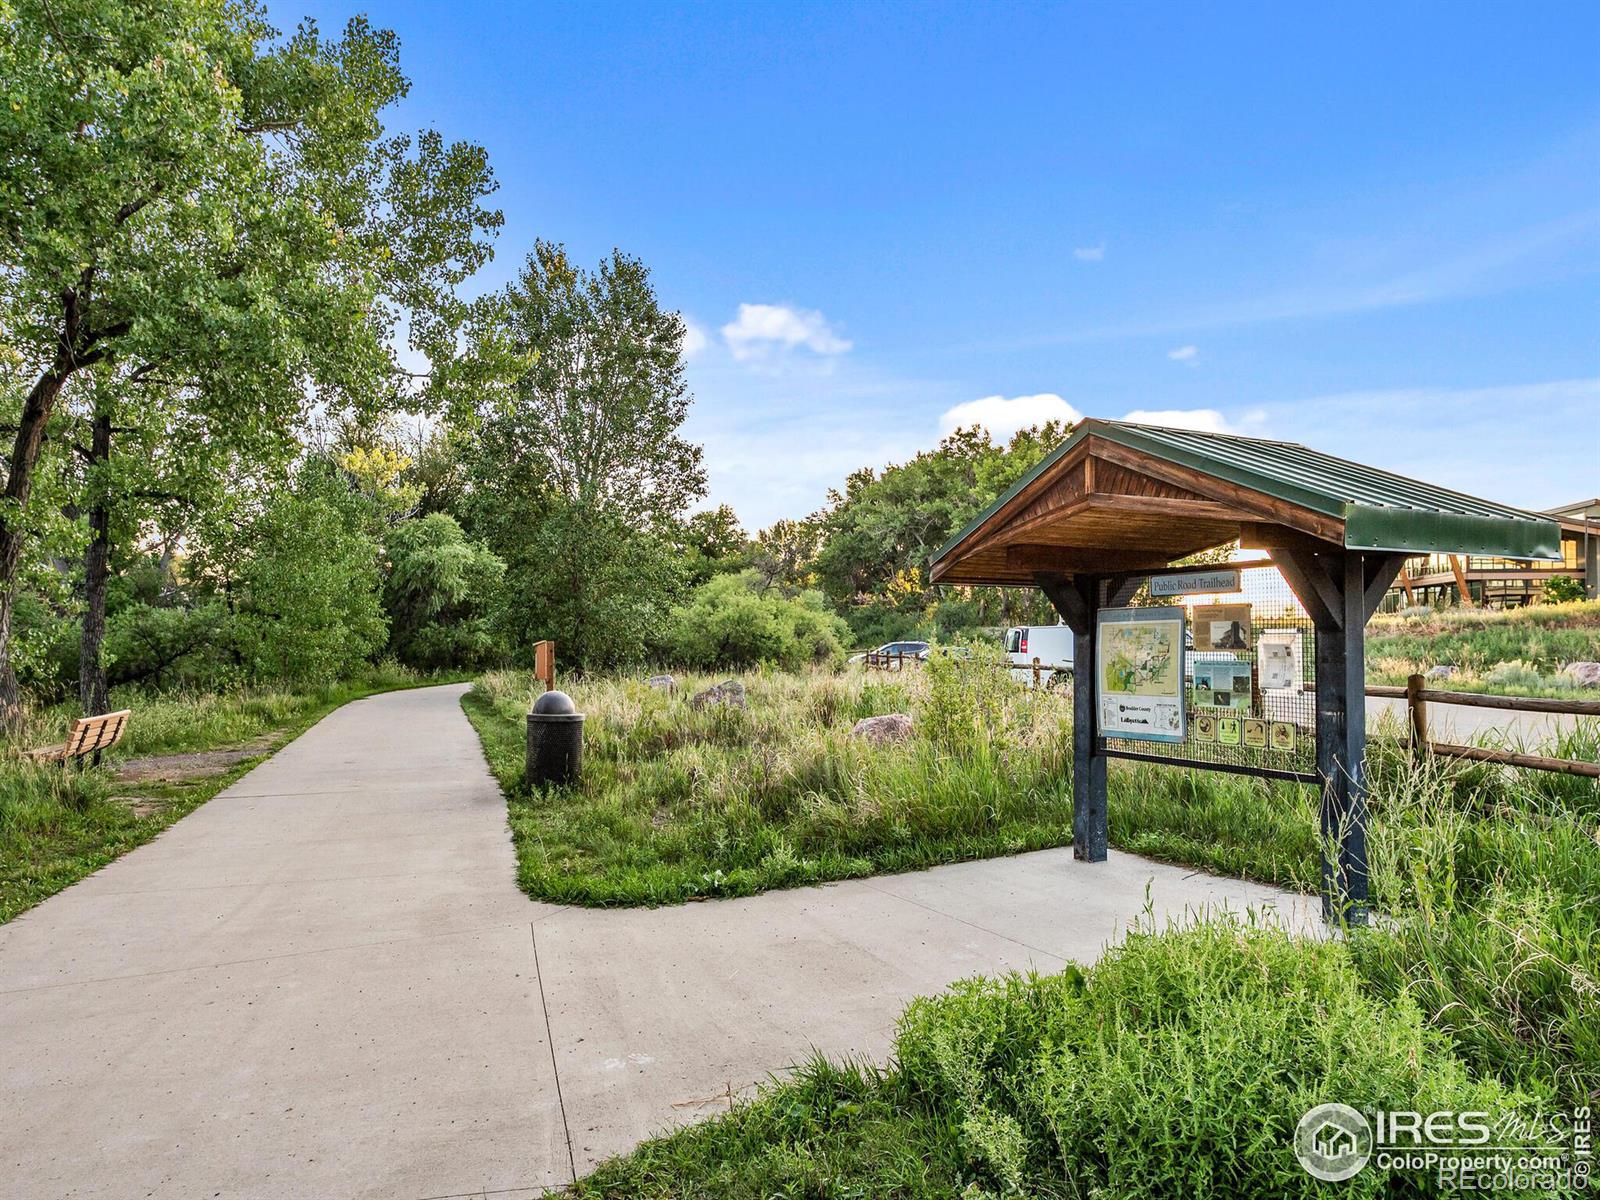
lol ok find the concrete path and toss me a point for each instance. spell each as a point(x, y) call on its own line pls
point(324, 983)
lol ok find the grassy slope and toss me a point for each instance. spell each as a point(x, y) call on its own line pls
point(1489, 879)
point(1516, 651)
point(58, 825)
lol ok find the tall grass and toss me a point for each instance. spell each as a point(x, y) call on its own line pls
point(1177, 1066)
point(677, 803)
point(1516, 651)
point(1479, 983)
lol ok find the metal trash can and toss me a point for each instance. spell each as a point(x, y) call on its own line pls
point(555, 741)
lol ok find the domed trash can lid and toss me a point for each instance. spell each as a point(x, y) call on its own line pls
point(554, 704)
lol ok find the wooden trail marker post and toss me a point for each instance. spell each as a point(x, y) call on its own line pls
point(544, 664)
point(1107, 514)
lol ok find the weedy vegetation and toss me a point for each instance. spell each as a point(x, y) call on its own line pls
point(1511, 652)
point(1176, 1066)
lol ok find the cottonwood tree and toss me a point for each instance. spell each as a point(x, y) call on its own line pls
point(191, 204)
point(879, 532)
point(578, 468)
point(580, 384)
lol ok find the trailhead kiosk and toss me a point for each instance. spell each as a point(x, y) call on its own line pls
point(1255, 667)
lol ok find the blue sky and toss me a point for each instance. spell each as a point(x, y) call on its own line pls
point(1374, 229)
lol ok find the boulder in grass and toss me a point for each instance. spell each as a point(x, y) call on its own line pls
point(662, 683)
point(1584, 674)
point(728, 694)
point(886, 730)
point(1438, 672)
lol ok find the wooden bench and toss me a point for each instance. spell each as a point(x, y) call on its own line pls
point(88, 735)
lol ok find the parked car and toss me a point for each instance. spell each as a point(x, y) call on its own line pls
point(912, 650)
point(1050, 644)
point(946, 651)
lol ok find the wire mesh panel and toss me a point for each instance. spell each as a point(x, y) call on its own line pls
point(1248, 682)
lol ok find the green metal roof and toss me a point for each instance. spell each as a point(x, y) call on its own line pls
point(1380, 510)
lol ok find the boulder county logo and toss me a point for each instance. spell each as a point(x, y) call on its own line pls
point(1333, 1142)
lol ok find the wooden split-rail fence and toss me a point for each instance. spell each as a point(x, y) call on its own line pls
point(1418, 697)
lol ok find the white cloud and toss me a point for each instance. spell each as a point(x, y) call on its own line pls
point(1090, 253)
point(1002, 417)
point(1206, 420)
point(694, 338)
point(1183, 354)
point(761, 329)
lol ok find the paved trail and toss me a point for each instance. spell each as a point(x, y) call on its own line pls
point(324, 983)
point(1463, 723)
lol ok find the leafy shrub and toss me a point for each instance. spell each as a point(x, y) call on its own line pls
point(1562, 589)
point(971, 704)
point(727, 623)
point(156, 645)
point(310, 610)
point(439, 594)
point(1177, 1066)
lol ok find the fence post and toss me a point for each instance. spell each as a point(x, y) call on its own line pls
point(1417, 710)
point(544, 664)
point(1035, 672)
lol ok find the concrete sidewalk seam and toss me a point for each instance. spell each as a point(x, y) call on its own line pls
point(544, 1189)
point(550, 1041)
point(264, 958)
point(260, 884)
point(1006, 937)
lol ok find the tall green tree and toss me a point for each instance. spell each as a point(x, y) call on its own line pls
point(579, 471)
point(713, 543)
point(879, 533)
point(190, 202)
point(301, 578)
point(439, 594)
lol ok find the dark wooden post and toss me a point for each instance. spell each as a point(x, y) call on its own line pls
point(1340, 589)
point(1344, 815)
point(1077, 599)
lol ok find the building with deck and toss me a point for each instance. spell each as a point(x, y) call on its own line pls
point(1495, 582)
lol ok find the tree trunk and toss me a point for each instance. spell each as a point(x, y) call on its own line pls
point(92, 685)
point(36, 410)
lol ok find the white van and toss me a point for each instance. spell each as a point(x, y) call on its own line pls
point(1050, 644)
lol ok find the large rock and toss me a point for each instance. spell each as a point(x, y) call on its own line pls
point(1439, 672)
point(729, 694)
point(1584, 674)
point(662, 683)
point(885, 730)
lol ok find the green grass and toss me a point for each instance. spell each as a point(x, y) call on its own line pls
point(1482, 979)
point(676, 804)
point(1514, 652)
point(58, 824)
point(1175, 1067)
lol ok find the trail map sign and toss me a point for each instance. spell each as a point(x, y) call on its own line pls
point(1140, 681)
point(1247, 668)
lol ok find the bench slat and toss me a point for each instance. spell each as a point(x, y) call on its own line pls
point(88, 735)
